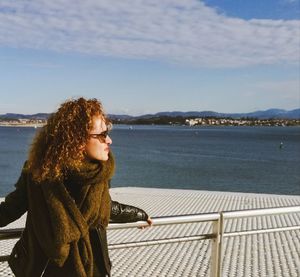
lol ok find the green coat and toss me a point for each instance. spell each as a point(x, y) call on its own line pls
point(28, 259)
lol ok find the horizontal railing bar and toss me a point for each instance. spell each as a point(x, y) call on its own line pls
point(157, 221)
point(10, 233)
point(260, 212)
point(148, 243)
point(180, 219)
point(167, 220)
point(160, 241)
point(4, 258)
point(263, 231)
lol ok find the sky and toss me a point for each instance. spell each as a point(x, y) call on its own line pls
point(148, 56)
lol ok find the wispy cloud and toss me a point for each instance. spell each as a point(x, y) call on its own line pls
point(176, 31)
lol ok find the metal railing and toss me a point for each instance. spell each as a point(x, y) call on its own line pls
point(217, 236)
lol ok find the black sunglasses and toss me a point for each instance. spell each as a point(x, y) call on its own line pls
point(102, 136)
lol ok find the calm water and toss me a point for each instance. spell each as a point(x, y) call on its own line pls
point(246, 159)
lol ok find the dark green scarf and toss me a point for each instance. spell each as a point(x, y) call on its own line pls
point(70, 222)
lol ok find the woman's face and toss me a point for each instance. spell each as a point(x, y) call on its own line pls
point(97, 146)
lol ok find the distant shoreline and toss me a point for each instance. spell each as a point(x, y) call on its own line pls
point(171, 125)
point(22, 125)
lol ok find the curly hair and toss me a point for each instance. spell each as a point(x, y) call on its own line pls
point(59, 145)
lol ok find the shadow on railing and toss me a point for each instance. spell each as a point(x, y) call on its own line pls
point(217, 235)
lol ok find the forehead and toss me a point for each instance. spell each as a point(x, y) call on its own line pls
point(98, 123)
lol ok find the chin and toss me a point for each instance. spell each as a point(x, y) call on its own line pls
point(104, 159)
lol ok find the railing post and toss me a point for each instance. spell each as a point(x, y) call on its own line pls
point(216, 251)
point(221, 236)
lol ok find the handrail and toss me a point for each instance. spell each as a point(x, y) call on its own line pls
point(167, 220)
point(157, 221)
point(260, 212)
point(217, 235)
point(262, 231)
point(10, 233)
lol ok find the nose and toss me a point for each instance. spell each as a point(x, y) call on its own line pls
point(108, 140)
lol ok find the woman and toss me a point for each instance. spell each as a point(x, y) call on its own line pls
point(64, 187)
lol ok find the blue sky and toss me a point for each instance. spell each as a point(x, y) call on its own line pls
point(149, 56)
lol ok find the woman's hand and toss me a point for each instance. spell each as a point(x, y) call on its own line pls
point(149, 221)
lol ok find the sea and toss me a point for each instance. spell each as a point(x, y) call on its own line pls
point(236, 159)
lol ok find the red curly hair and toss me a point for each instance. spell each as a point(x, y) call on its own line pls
point(59, 145)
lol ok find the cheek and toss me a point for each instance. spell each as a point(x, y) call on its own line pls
point(94, 149)
point(90, 148)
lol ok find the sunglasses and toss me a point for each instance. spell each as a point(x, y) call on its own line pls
point(101, 137)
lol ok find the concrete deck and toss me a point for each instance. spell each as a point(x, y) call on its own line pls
point(273, 254)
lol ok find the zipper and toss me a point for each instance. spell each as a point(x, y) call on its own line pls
point(43, 272)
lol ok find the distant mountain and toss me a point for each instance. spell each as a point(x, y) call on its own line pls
point(120, 116)
point(268, 114)
point(271, 113)
point(25, 116)
point(276, 113)
point(183, 114)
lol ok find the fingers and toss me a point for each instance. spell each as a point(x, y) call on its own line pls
point(150, 223)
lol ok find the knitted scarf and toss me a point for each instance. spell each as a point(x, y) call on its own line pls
point(70, 222)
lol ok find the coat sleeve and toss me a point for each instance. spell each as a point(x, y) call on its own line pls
point(121, 213)
point(15, 203)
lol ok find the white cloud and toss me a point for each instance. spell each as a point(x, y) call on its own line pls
point(176, 31)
